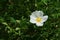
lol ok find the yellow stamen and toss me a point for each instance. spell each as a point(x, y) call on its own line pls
point(38, 19)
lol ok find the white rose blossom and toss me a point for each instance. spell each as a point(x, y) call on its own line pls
point(38, 18)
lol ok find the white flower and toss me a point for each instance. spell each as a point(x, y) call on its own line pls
point(38, 18)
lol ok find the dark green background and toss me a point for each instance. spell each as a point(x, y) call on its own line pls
point(15, 16)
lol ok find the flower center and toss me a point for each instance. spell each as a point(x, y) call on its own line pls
point(38, 19)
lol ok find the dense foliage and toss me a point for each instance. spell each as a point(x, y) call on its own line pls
point(15, 16)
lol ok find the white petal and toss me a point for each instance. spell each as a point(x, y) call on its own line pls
point(44, 18)
point(38, 13)
point(39, 24)
point(32, 19)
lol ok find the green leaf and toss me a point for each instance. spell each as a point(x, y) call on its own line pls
point(12, 20)
point(44, 1)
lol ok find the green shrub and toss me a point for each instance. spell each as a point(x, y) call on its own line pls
point(15, 16)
